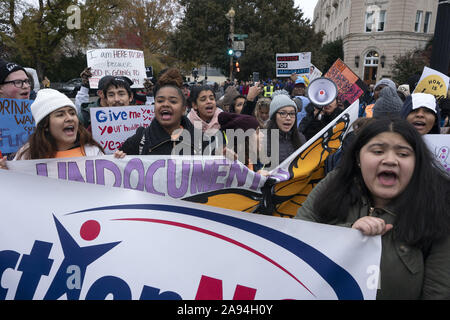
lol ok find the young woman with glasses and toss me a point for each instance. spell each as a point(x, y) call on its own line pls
point(283, 117)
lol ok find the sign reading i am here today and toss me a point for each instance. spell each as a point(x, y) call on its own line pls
point(74, 241)
point(116, 62)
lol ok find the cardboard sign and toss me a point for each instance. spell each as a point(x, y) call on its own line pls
point(16, 124)
point(433, 82)
point(350, 86)
point(289, 63)
point(116, 62)
point(79, 241)
point(111, 126)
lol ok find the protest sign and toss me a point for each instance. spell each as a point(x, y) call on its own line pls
point(202, 179)
point(439, 145)
point(314, 73)
point(16, 124)
point(433, 82)
point(116, 62)
point(79, 241)
point(350, 86)
point(289, 63)
point(111, 126)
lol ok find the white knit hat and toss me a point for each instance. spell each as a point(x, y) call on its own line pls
point(280, 99)
point(424, 100)
point(47, 101)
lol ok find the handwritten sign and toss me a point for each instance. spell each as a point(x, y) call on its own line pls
point(289, 63)
point(111, 243)
point(116, 62)
point(111, 126)
point(350, 86)
point(16, 124)
point(433, 82)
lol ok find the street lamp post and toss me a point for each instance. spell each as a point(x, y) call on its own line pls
point(230, 16)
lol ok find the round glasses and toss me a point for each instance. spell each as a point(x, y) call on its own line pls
point(19, 83)
point(284, 114)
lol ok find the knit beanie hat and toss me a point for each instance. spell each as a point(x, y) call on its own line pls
point(229, 96)
point(422, 100)
point(6, 68)
point(280, 99)
point(388, 104)
point(47, 101)
point(386, 82)
point(235, 121)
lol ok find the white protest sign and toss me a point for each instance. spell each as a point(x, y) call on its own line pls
point(116, 62)
point(314, 73)
point(210, 180)
point(111, 126)
point(439, 145)
point(433, 82)
point(289, 63)
point(80, 241)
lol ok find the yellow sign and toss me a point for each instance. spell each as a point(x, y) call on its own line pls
point(433, 82)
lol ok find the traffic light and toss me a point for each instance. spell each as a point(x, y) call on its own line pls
point(230, 50)
point(237, 67)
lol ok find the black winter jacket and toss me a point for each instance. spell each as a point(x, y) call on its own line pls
point(154, 140)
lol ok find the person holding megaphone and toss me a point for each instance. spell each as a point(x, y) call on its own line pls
point(325, 106)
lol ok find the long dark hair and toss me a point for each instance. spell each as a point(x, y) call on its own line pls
point(42, 145)
point(422, 209)
point(295, 135)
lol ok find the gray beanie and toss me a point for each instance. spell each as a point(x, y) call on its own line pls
point(386, 82)
point(280, 99)
point(388, 104)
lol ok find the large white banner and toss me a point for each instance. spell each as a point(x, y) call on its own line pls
point(69, 240)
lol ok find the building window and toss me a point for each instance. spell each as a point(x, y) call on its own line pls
point(369, 21)
point(371, 59)
point(345, 26)
point(381, 20)
point(418, 20)
point(375, 19)
point(427, 21)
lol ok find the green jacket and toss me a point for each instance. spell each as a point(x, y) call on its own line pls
point(405, 271)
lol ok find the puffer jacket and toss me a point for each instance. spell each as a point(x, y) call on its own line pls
point(406, 272)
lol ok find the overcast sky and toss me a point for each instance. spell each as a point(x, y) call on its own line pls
point(307, 7)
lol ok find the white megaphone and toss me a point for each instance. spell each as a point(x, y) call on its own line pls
point(322, 91)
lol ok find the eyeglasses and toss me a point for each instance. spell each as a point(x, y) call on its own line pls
point(284, 114)
point(18, 83)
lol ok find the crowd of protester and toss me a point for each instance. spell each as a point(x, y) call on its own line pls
point(382, 181)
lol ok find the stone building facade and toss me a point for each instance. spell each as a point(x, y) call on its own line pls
point(375, 31)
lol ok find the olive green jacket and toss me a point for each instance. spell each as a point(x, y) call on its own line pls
point(405, 271)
